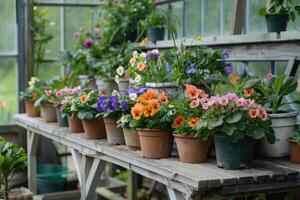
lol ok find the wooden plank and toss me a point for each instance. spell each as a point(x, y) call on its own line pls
point(32, 143)
point(77, 161)
point(132, 185)
point(238, 17)
point(107, 194)
point(94, 174)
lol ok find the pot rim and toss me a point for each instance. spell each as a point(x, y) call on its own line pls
point(268, 15)
point(286, 114)
point(185, 136)
point(293, 141)
point(149, 129)
point(164, 84)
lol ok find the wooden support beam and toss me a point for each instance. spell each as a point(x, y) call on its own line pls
point(29, 46)
point(77, 161)
point(32, 143)
point(132, 185)
point(175, 195)
point(238, 17)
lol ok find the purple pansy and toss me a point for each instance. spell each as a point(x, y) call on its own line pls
point(124, 105)
point(152, 55)
point(191, 70)
point(225, 56)
point(113, 103)
point(88, 42)
point(168, 67)
point(228, 69)
point(138, 91)
point(102, 104)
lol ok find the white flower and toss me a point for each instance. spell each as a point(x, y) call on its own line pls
point(135, 54)
point(131, 81)
point(143, 55)
point(115, 93)
point(117, 79)
point(133, 96)
point(155, 51)
point(138, 78)
point(120, 70)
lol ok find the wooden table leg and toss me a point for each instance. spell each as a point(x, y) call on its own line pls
point(132, 185)
point(176, 195)
point(32, 143)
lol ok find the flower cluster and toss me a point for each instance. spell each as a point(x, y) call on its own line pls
point(32, 92)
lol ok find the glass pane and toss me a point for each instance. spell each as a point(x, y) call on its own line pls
point(76, 18)
point(8, 41)
point(48, 70)
point(211, 18)
point(256, 22)
point(193, 15)
point(227, 16)
point(177, 10)
point(260, 68)
point(8, 90)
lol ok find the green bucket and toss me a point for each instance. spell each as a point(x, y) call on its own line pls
point(51, 178)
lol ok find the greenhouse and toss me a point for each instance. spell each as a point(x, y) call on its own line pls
point(149, 99)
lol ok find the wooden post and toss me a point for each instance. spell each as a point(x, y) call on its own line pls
point(29, 39)
point(238, 17)
point(32, 143)
point(132, 185)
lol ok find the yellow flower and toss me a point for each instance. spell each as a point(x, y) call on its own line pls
point(199, 38)
point(144, 41)
point(234, 78)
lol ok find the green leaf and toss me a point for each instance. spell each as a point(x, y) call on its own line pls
point(278, 83)
point(215, 123)
point(257, 133)
point(229, 130)
point(262, 11)
point(234, 118)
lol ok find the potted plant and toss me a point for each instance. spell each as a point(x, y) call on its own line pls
point(278, 13)
point(60, 94)
point(13, 160)
point(68, 109)
point(152, 118)
point(271, 92)
point(29, 96)
point(235, 124)
point(87, 111)
point(111, 110)
point(155, 24)
point(46, 102)
point(193, 146)
point(295, 147)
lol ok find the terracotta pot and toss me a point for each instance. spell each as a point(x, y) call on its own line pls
point(48, 112)
point(155, 143)
point(114, 134)
point(295, 151)
point(94, 129)
point(31, 111)
point(75, 124)
point(131, 139)
point(191, 149)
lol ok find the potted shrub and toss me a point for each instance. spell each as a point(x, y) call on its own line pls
point(193, 146)
point(109, 107)
point(155, 24)
point(67, 109)
point(235, 124)
point(152, 118)
point(278, 13)
point(13, 160)
point(29, 96)
point(87, 111)
point(270, 92)
point(46, 102)
point(295, 147)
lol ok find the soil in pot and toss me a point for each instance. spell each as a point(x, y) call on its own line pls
point(62, 121)
point(233, 155)
point(295, 152)
point(94, 129)
point(48, 112)
point(75, 124)
point(131, 139)
point(31, 111)
point(156, 34)
point(155, 143)
point(277, 23)
point(284, 125)
point(114, 134)
point(123, 87)
point(191, 149)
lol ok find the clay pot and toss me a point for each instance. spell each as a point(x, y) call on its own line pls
point(75, 124)
point(191, 149)
point(48, 112)
point(114, 134)
point(94, 129)
point(31, 111)
point(131, 139)
point(295, 151)
point(155, 143)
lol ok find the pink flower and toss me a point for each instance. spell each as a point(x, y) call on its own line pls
point(211, 102)
point(135, 54)
point(127, 76)
point(88, 42)
point(263, 115)
point(48, 93)
point(120, 70)
point(76, 35)
point(132, 61)
point(239, 102)
point(248, 103)
point(194, 104)
point(59, 93)
point(205, 106)
point(223, 101)
point(269, 75)
point(202, 100)
point(232, 97)
point(64, 102)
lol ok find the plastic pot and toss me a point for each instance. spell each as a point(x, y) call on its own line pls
point(284, 125)
point(31, 111)
point(295, 151)
point(131, 139)
point(191, 149)
point(277, 23)
point(94, 129)
point(114, 134)
point(233, 155)
point(75, 124)
point(171, 89)
point(48, 112)
point(123, 86)
point(105, 86)
point(155, 143)
point(156, 34)
point(62, 121)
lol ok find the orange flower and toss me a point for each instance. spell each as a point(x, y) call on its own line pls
point(150, 94)
point(155, 105)
point(194, 121)
point(191, 91)
point(202, 93)
point(149, 111)
point(33, 96)
point(162, 97)
point(234, 78)
point(137, 111)
point(249, 92)
point(141, 66)
point(253, 113)
point(144, 41)
point(178, 121)
point(194, 104)
point(132, 61)
point(142, 100)
point(83, 98)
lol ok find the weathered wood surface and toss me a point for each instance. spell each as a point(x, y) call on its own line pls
point(171, 172)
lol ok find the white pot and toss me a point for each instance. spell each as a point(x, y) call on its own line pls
point(284, 125)
point(123, 87)
point(171, 89)
point(105, 86)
